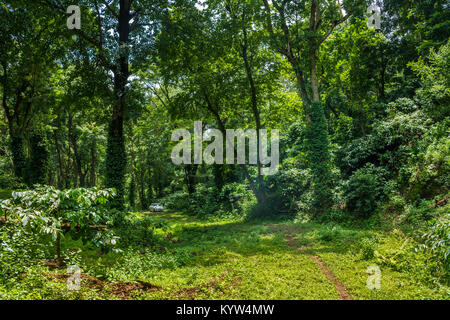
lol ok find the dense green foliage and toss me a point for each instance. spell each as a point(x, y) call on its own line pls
point(87, 116)
point(316, 145)
point(49, 211)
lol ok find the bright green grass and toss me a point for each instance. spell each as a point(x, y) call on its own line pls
point(238, 260)
point(405, 273)
point(243, 261)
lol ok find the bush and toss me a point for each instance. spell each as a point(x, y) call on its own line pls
point(390, 145)
point(330, 233)
point(403, 105)
point(5, 194)
point(140, 231)
point(334, 216)
point(428, 171)
point(233, 196)
point(48, 211)
point(367, 248)
point(7, 180)
point(178, 200)
point(19, 250)
point(289, 185)
point(261, 211)
point(233, 200)
point(434, 95)
point(365, 189)
point(437, 242)
point(204, 201)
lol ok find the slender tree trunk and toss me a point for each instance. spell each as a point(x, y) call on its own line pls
point(58, 245)
point(73, 140)
point(190, 171)
point(218, 171)
point(93, 175)
point(60, 171)
point(141, 190)
point(224, 132)
point(18, 155)
point(314, 80)
point(256, 114)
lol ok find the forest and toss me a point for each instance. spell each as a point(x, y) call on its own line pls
point(120, 177)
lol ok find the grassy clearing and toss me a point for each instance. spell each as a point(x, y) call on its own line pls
point(195, 259)
point(405, 273)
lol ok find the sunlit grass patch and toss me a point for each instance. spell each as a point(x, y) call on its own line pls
point(228, 259)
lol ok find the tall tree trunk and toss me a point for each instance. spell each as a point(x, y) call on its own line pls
point(12, 116)
point(60, 174)
point(224, 132)
point(93, 175)
point(256, 114)
point(218, 171)
point(116, 154)
point(18, 155)
point(58, 245)
point(190, 171)
point(141, 190)
point(73, 140)
point(313, 74)
point(317, 132)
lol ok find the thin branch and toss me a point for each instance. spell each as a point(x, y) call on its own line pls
point(333, 26)
point(114, 13)
point(99, 22)
point(269, 18)
point(97, 44)
point(158, 96)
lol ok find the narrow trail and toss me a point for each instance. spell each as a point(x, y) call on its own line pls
point(289, 232)
point(342, 290)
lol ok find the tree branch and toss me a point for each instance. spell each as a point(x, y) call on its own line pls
point(114, 13)
point(333, 26)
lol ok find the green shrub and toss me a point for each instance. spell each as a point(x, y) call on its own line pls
point(49, 211)
point(365, 189)
point(204, 201)
point(330, 233)
point(141, 231)
point(403, 105)
point(389, 146)
point(233, 196)
point(7, 180)
point(334, 216)
point(5, 194)
point(418, 213)
point(437, 241)
point(178, 200)
point(289, 186)
point(434, 95)
point(261, 211)
point(429, 171)
point(19, 250)
point(367, 248)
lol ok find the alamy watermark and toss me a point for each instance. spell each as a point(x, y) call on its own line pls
point(73, 282)
point(374, 280)
point(214, 153)
point(74, 20)
point(374, 20)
